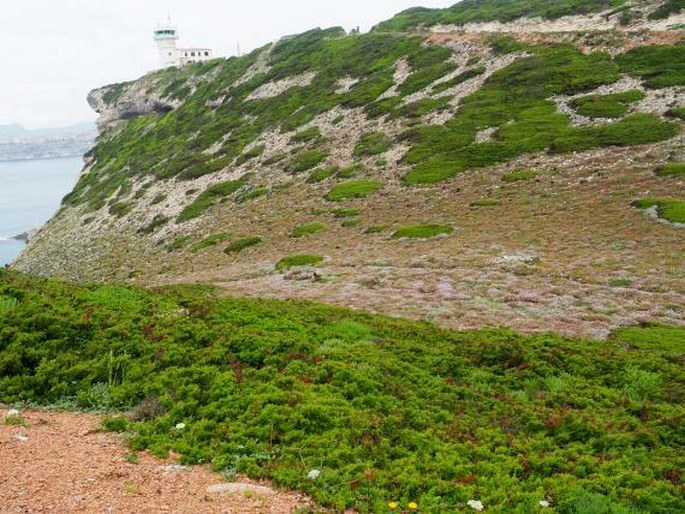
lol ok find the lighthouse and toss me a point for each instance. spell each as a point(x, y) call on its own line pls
point(166, 37)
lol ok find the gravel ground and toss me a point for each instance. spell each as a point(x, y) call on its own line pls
point(60, 463)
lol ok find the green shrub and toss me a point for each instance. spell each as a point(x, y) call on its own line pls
point(254, 152)
point(345, 213)
point(353, 189)
point(158, 199)
point(377, 229)
point(243, 244)
point(669, 7)
point(350, 223)
point(387, 409)
point(7, 304)
point(178, 243)
point(676, 112)
point(275, 159)
point(659, 65)
point(298, 260)
point(208, 242)
point(372, 143)
point(421, 108)
point(306, 161)
point(485, 202)
point(120, 209)
point(115, 424)
point(158, 221)
point(633, 130)
point(515, 101)
point(382, 107)
point(519, 176)
point(15, 421)
point(251, 193)
point(422, 231)
point(620, 282)
point(672, 169)
point(669, 209)
point(307, 229)
point(424, 77)
point(306, 136)
point(642, 385)
point(462, 77)
point(210, 197)
point(607, 106)
point(349, 171)
point(652, 337)
point(594, 503)
point(321, 174)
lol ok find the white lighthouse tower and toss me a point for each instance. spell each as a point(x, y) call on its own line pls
point(166, 36)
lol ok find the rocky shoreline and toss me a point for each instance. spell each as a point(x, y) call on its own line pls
point(25, 236)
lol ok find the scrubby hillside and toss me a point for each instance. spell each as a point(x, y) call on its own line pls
point(456, 174)
point(358, 410)
point(483, 11)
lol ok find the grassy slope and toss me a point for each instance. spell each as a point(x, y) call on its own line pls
point(468, 11)
point(183, 143)
point(386, 409)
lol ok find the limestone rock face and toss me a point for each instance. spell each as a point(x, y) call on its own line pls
point(119, 103)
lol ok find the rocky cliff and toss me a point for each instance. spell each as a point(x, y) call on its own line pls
point(466, 166)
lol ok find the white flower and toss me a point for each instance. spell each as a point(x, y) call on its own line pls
point(13, 413)
point(475, 504)
point(314, 474)
point(180, 426)
point(544, 503)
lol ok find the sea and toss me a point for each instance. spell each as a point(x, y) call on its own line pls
point(30, 193)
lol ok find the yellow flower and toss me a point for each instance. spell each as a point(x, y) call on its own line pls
point(413, 506)
point(392, 505)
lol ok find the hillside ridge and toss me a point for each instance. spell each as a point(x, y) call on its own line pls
point(516, 161)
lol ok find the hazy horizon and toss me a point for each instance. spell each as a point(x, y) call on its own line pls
point(89, 45)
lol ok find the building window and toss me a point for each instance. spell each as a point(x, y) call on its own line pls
point(192, 54)
point(207, 53)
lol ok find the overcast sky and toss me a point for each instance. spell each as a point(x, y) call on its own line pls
point(55, 51)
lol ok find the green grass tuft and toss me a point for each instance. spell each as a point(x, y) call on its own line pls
point(672, 169)
point(676, 112)
point(242, 244)
point(321, 174)
point(519, 176)
point(422, 231)
point(298, 260)
point(306, 161)
point(353, 189)
point(307, 229)
point(669, 209)
point(208, 242)
point(211, 196)
point(372, 143)
point(485, 202)
point(345, 213)
point(607, 106)
point(376, 229)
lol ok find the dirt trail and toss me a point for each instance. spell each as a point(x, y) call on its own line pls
point(60, 463)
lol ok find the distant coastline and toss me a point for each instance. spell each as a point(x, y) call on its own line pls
point(19, 144)
point(47, 158)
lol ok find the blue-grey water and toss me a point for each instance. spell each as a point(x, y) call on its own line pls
point(30, 193)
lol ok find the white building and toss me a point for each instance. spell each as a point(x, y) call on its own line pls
point(166, 36)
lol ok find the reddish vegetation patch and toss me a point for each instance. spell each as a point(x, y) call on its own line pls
point(59, 462)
